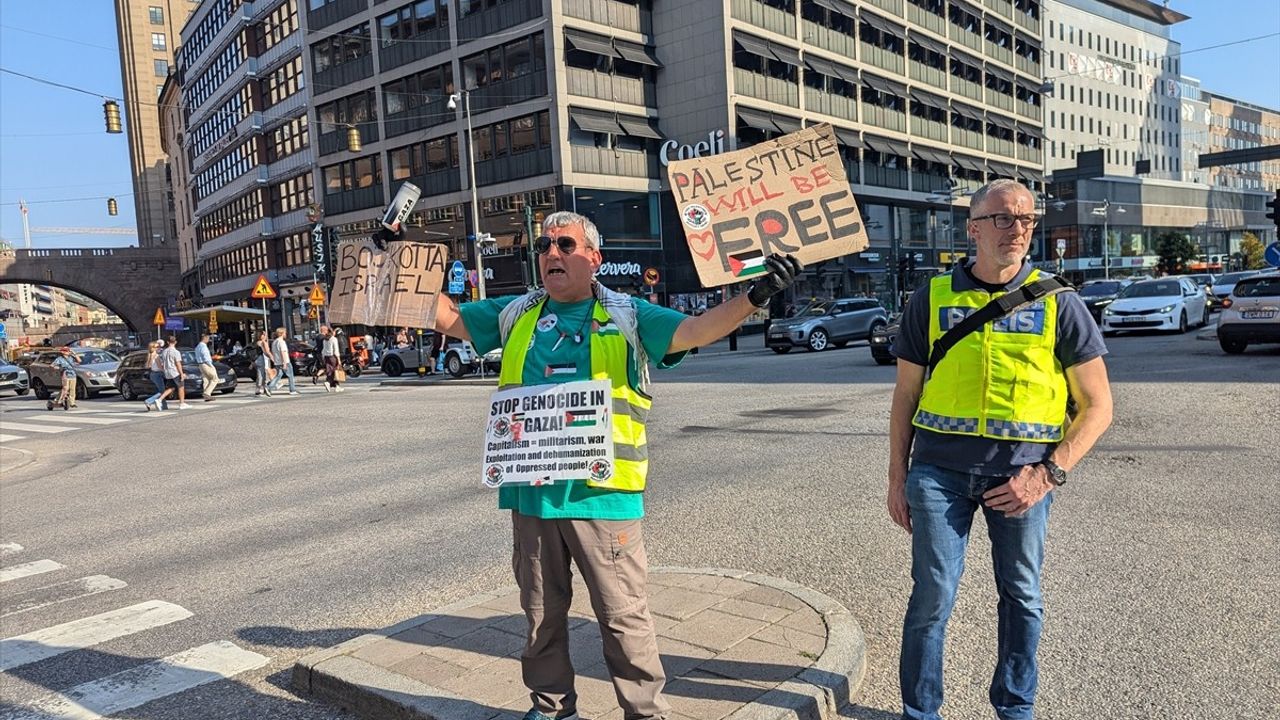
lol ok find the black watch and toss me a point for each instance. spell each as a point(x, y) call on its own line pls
point(1057, 475)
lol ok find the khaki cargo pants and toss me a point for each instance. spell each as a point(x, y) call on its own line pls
point(610, 555)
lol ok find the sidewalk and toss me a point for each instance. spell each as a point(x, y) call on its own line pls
point(734, 644)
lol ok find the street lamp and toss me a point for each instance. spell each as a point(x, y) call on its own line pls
point(1104, 213)
point(465, 96)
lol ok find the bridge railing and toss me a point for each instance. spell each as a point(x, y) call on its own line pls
point(65, 253)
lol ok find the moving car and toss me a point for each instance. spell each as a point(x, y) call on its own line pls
point(1173, 303)
point(13, 378)
point(1098, 294)
point(1223, 284)
point(1205, 281)
point(827, 322)
point(881, 340)
point(1251, 314)
point(133, 379)
point(460, 359)
point(95, 373)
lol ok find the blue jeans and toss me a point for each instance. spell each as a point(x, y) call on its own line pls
point(283, 371)
point(157, 379)
point(942, 505)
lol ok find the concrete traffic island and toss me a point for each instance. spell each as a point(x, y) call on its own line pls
point(734, 644)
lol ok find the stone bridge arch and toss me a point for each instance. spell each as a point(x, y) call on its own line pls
point(131, 282)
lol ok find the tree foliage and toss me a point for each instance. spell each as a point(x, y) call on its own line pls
point(1175, 251)
point(1252, 250)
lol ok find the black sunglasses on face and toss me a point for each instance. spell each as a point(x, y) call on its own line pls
point(566, 244)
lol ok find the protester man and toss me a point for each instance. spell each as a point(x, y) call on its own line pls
point(284, 365)
point(208, 375)
point(988, 427)
point(171, 360)
point(559, 335)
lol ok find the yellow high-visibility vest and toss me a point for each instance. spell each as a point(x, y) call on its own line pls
point(608, 362)
point(1002, 381)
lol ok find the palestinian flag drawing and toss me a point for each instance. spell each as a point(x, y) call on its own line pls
point(568, 369)
point(747, 264)
point(580, 418)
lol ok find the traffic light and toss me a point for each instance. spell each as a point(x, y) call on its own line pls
point(1274, 215)
point(112, 208)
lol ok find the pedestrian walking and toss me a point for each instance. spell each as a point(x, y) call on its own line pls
point(980, 407)
point(204, 362)
point(332, 358)
point(561, 334)
point(155, 370)
point(66, 364)
point(284, 366)
point(262, 366)
point(171, 366)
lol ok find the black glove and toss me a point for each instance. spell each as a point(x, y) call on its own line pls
point(382, 236)
point(783, 270)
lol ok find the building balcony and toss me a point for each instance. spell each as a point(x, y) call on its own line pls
point(819, 101)
point(350, 200)
point(767, 88)
point(853, 171)
point(1004, 55)
point(927, 182)
point(240, 236)
point(292, 106)
point(1029, 66)
point(290, 221)
point(633, 17)
point(335, 139)
point(973, 41)
point(845, 46)
point(1000, 7)
point(968, 138)
point(434, 113)
point(999, 146)
point(509, 92)
point(881, 58)
point(926, 19)
point(334, 12)
point(923, 127)
point(500, 17)
point(436, 183)
point(885, 118)
point(614, 88)
point(514, 167)
point(288, 47)
point(1031, 154)
point(1026, 109)
point(884, 177)
point(337, 78)
point(607, 161)
point(930, 75)
point(288, 165)
point(764, 16)
point(1000, 100)
point(967, 88)
point(244, 72)
point(893, 7)
point(1027, 22)
point(232, 188)
point(415, 48)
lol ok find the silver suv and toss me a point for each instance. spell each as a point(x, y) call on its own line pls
point(95, 373)
point(827, 322)
point(1251, 313)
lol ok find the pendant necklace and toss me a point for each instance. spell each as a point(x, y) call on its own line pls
point(577, 336)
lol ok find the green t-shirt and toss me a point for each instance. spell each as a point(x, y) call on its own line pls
point(554, 344)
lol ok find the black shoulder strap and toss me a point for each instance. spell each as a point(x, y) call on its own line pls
point(994, 310)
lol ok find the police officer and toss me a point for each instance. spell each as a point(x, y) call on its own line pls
point(557, 335)
point(987, 428)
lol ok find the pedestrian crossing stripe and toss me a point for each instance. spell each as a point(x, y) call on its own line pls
point(37, 567)
point(86, 632)
point(59, 592)
point(75, 419)
point(9, 549)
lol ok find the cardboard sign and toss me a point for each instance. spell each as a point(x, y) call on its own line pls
point(788, 195)
point(543, 434)
point(398, 286)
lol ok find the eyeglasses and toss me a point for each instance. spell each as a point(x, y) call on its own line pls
point(1004, 221)
point(566, 244)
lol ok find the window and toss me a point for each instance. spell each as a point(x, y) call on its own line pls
point(282, 82)
point(504, 62)
point(234, 215)
point(341, 48)
point(417, 90)
point(359, 109)
point(161, 67)
point(277, 26)
point(292, 194)
point(157, 42)
point(351, 175)
point(417, 19)
point(156, 14)
point(287, 139)
point(295, 250)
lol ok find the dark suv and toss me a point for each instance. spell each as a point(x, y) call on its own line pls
point(133, 377)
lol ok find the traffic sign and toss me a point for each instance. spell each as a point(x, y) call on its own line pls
point(1062, 244)
point(159, 317)
point(262, 289)
point(651, 276)
point(313, 313)
point(317, 296)
point(174, 323)
point(1272, 254)
point(4, 332)
point(457, 278)
point(213, 321)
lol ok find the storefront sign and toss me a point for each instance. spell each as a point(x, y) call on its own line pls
point(613, 269)
point(788, 195)
point(672, 150)
point(397, 286)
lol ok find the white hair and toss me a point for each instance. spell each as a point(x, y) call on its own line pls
point(565, 218)
point(999, 185)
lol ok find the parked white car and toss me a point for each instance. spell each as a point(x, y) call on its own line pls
point(1173, 303)
point(1251, 314)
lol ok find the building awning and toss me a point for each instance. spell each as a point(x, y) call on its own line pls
point(1002, 169)
point(1007, 29)
point(590, 42)
point(1033, 132)
point(884, 85)
point(837, 6)
point(595, 121)
point(968, 163)
point(820, 66)
point(885, 146)
point(753, 45)
point(966, 111)
point(1001, 121)
point(1000, 73)
point(928, 99)
point(929, 44)
point(849, 138)
point(1030, 174)
point(788, 55)
point(786, 124)
point(847, 74)
point(638, 127)
point(936, 156)
point(757, 119)
point(226, 313)
point(883, 25)
point(636, 53)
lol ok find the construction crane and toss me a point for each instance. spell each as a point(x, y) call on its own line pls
point(84, 231)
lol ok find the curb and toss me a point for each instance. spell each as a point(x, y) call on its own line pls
point(817, 693)
point(424, 382)
point(7, 466)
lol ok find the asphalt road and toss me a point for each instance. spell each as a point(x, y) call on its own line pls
point(292, 524)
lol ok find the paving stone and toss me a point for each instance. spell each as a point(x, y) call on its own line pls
point(774, 597)
point(496, 684)
point(678, 658)
point(509, 603)
point(756, 611)
point(478, 648)
point(661, 623)
point(805, 620)
point(791, 638)
point(388, 652)
point(680, 603)
point(717, 585)
point(758, 663)
point(715, 630)
point(460, 622)
point(428, 670)
point(703, 696)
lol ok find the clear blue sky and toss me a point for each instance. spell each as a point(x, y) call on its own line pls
point(52, 143)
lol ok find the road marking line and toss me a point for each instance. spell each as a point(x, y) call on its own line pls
point(147, 682)
point(10, 438)
point(78, 419)
point(60, 592)
point(87, 632)
point(36, 567)
point(9, 548)
point(33, 428)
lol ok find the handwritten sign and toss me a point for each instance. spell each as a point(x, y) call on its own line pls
point(397, 286)
point(788, 195)
point(543, 434)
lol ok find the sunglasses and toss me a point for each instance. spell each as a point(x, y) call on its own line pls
point(566, 244)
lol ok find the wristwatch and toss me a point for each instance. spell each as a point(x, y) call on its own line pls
point(1057, 475)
